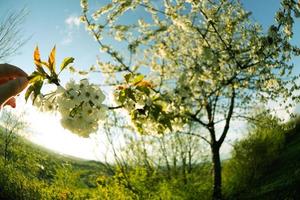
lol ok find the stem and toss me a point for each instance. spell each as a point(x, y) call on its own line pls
point(110, 52)
point(115, 107)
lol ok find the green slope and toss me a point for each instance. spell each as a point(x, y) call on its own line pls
point(31, 159)
point(282, 178)
point(21, 147)
point(33, 172)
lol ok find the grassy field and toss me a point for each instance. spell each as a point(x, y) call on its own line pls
point(32, 169)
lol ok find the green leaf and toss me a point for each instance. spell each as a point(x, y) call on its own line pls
point(168, 124)
point(137, 79)
point(66, 62)
point(129, 94)
point(28, 92)
point(36, 76)
point(54, 79)
point(127, 77)
point(165, 121)
point(122, 96)
point(143, 89)
point(155, 111)
point(41, 70)
point(133, 114)
point(37, 87)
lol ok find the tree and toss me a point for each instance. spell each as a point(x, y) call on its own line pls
point(11, 125)
point(11, 37)
point(205, 63)
point(196, 64)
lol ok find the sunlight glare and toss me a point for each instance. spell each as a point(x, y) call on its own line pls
point(45, 130)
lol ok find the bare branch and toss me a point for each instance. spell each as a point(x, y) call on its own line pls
point(197, 135)
point(11, 36)
point(110, 52)
point(228, 118)
point(115, 107)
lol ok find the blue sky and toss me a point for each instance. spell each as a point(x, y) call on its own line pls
point(47, 25)
point(55, 22)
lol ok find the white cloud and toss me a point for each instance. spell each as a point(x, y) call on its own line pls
point(72, 21)
point(68, 38)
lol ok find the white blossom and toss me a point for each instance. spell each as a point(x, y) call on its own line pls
point(79, 104)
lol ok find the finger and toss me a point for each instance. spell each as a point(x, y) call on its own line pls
point(7, 70)
point(11, 102)
point(12, 88)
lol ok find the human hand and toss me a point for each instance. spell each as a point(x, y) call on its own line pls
point(12, 81)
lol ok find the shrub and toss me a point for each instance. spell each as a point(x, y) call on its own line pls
point(252, 156)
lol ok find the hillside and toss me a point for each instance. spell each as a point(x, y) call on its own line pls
point(282, 178)
point(49, 157)
point(33, 169)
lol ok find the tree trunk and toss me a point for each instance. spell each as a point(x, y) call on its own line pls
point(190, 161)
point(217, 187)
point(184, 169)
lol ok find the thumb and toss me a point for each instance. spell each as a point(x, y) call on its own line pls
point(12, 88)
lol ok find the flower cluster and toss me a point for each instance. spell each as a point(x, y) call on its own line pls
point(80, 105)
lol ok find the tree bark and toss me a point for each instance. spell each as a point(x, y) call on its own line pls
point(217, 170)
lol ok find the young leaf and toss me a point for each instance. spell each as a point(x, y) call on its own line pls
point(144, 83)
point(137, 79)
point(66, 62)
point(37, 58)
point(51, 60)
